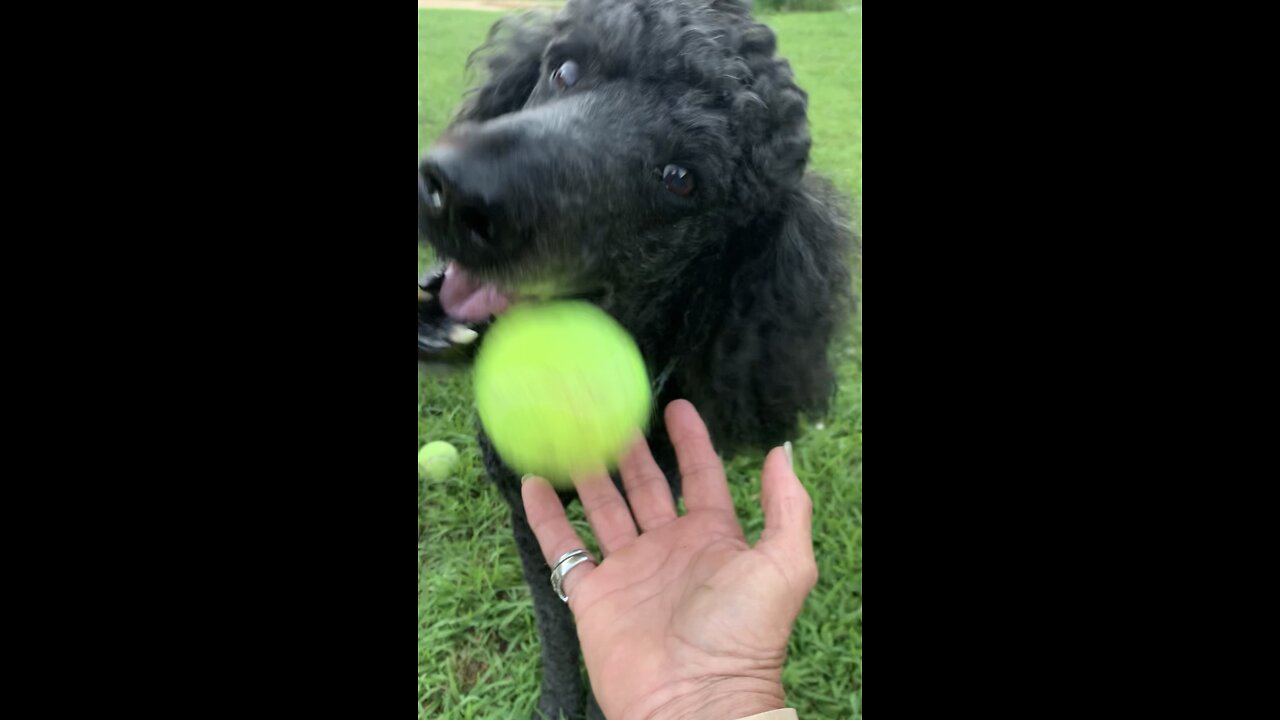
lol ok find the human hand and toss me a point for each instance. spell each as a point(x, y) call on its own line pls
point(682, 618)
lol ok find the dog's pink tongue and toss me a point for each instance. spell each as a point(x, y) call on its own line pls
point(467, 300)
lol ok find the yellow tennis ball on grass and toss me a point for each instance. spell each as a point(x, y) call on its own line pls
point(561, 388)
point(437, 460)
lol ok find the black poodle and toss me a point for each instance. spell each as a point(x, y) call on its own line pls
point(649, 156)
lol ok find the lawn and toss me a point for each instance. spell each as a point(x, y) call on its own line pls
point(477, 645)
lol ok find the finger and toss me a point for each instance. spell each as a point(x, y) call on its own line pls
point(703, 472)
point(647, 489)
point(606, 511)
point(552, 529)
point(788, 515)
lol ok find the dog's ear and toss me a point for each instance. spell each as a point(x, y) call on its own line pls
point(790, 293)
point(779, 290)
point(512, 65)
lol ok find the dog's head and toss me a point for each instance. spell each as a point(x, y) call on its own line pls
point(649, 155)
point(600, 137)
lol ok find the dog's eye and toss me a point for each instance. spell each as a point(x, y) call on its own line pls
point(565, 76)
point(678, 180)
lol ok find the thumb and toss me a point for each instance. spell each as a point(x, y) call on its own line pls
point(788, 517)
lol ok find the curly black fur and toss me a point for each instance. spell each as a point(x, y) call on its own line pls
point(736, 289)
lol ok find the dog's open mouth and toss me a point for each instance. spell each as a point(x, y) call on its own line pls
point(454, 308)
point(466, 299)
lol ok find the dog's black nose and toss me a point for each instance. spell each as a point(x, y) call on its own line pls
point(431, 191)
point(446, 187)
point(452, 189)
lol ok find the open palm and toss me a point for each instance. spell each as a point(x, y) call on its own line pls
point(683, 618)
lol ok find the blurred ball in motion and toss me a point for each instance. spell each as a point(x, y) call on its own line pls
point(561, 388)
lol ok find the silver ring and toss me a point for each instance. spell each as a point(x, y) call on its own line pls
point(564, 566)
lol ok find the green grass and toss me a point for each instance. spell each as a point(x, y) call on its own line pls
point(477, 645)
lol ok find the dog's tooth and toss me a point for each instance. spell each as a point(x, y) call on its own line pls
point(424, 296)
point(460, 335)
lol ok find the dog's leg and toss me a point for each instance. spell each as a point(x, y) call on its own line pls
point(562, 690)
point(561, 656)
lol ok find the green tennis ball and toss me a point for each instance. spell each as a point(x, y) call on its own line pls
point(561, 388)
point(437, 460)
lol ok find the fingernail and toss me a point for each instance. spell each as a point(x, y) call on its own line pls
point(791, 458)
point(526, 479)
